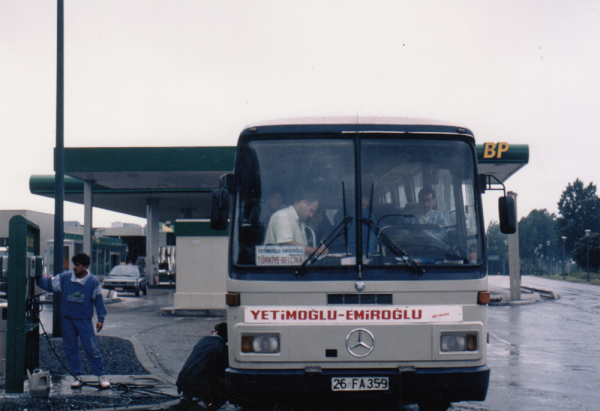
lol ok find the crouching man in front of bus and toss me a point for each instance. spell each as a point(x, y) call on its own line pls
point(203, 374)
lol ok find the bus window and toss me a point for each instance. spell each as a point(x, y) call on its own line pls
point(440, 225)
point(272, 175)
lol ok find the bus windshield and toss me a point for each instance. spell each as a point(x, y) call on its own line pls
point(409, 201)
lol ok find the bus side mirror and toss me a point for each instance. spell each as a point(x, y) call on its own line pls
point(508, 215)
point(219, 209)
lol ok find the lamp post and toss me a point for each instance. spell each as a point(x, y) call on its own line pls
point(548, 257)
point(563, 258)
point(541, 260)
point(587, 246)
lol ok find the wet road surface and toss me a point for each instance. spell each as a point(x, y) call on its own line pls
point(546, 356)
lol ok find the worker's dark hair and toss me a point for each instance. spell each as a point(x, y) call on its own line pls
point(425, 192)
point(309, 196)
point(221, 329)
point(81, 258)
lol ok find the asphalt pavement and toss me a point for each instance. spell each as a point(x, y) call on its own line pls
point(545, 356)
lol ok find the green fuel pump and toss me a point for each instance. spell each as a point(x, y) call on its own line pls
point(22, 337)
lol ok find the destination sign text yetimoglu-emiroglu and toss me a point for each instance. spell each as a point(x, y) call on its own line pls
point(352, 314)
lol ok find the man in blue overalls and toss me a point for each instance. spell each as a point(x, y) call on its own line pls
point(81, 292)
point(203, 374)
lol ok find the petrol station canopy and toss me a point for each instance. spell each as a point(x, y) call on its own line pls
point(182, 178)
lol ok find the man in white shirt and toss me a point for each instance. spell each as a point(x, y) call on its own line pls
point(286, 226)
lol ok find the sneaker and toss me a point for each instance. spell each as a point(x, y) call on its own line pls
point(103, 382)
point(76, 384)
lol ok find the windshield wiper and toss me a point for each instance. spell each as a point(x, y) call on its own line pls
point(397, 251)
point(335, 233)
point(370, 217)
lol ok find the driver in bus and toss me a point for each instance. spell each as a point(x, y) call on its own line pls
point(286, 226)
point(426, 212)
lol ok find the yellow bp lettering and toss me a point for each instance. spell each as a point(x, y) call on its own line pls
point(489, 150)
point(502, 148)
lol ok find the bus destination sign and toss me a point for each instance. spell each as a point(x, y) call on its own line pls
point(352, 314)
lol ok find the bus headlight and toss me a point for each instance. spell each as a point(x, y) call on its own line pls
point(263, 344)
point(458, 342)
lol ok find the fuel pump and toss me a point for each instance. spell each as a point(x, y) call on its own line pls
point(24, 267)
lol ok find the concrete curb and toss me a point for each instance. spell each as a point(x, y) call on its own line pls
point(553, 295)
point(523, 302)
point(149, 361)
point(500, 296)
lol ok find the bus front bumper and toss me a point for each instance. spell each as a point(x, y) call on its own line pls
point(248, 387)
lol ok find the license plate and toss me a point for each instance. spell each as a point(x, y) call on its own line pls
point(118, 288)
point(360, 384)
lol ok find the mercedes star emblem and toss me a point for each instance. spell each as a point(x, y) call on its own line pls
point(360, 342)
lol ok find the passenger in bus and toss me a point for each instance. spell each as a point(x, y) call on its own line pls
point(203, 374)
point(81, 293)
point(287, 226)
point(262, 212)
point(318, 225)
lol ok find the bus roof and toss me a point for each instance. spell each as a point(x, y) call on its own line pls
point(353, 120)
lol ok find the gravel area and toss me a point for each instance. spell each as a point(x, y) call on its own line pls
point(118, 356)
point(119, 359)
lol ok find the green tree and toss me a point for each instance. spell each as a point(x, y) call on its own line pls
point(497, 245)
point(537, 228)
point(579, 209)
point(580, 252)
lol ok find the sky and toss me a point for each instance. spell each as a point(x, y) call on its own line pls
point(152, 73)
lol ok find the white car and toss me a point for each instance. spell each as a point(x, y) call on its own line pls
point(126, 278)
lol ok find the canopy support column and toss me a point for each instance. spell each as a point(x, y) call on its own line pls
point(514, 266)
point(152, 227)
point(87, 216)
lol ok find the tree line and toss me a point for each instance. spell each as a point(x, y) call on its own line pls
point(545, 237)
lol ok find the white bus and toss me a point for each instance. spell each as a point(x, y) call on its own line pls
point(397, 317)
